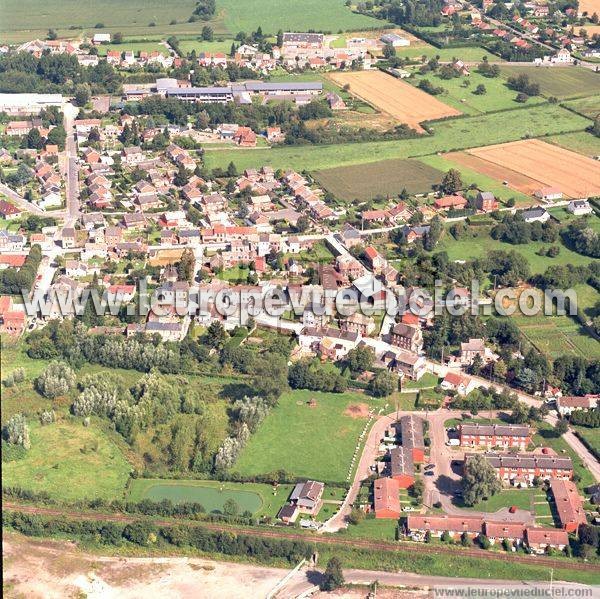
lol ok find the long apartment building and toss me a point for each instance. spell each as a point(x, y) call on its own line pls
point(569, 506)
point(494, 435)
point(522, 468)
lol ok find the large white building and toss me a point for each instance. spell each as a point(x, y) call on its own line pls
point(18, 104)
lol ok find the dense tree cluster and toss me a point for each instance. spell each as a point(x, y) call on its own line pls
point(589, 419)
point(16, 431)
point(514, 230)
point(312, 374)
point(479, 481)
point(583, 238)
point(145, 533)
point(14, 280)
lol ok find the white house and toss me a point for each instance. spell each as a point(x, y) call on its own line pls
point(548, 193)
point(535, 215)
point(579, 207)
point(395, 40)
point(101, 38)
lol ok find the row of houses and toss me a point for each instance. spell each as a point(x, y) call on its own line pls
point(537, 539)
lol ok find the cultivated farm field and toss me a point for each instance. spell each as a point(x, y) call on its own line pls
point(399, 99)
point(561, 82)
point(385, 178)
point(575, 175)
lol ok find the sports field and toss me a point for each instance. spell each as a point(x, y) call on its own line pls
point(575, 175)
point(315, 441)
point(384, 178)
point(395, 97)
point(252, 497)
point(562, 82)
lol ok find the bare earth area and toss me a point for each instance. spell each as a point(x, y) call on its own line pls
point(397, 98)
point(589, 6)
point(514, 180)
point(357, 410)
point(575, 175)
point(52, 569)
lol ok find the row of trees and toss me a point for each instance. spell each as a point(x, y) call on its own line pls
point(14, 280)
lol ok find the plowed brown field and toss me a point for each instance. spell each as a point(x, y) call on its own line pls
point(575, 175)
point(397, 98)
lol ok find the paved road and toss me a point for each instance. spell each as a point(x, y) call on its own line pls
point(20, 201)
point(72, 168)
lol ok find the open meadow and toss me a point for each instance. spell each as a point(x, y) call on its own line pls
point(454, 134)
point(70, 462)
point(589, 107)
point(561, 82)
point(315, 441)
point(575, 175)
point(395, 97)
point(385, 178)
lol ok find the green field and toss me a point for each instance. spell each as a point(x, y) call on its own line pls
point(521, 498)
point(558, 335)
point(135, 46)
point(70, 462)
point(204, 46)
point(455, 134)
point(589, 107)
point(29, 19)
point(252, 497)
point(317, 442)
point(385, 178)
point(300, 15)
point(469, 54)
point(498, 96)
point(561, 82)
point(591, 435)
point(582, 142)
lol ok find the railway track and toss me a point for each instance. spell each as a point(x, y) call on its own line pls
point(420, 548)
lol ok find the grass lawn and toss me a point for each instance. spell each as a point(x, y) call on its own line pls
point(591, 435)
point(521, 498)
point(405, 401)
point(382, 529)
point(561, 82)
point(236, 274)
point(427, 380)
point(316, 442)
point(260, 499)
point(70, 462)
point(546, 437)
point(223, 45)
point(588, 300)
point(498, 96)
point(453, 134)
point(135, 46)
point(385, 178)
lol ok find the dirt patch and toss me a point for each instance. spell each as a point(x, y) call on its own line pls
point(357, 410)
point(165, 257)
point(397, 98)
point(575, 175)
point(30, 570)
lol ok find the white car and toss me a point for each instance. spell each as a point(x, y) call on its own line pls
point(408, 508)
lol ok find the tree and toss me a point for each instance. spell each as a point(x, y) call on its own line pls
point(360, 359)
point(117, 38)
point(480, 90)
point(596, 126)
point(232, 170)
point(52, 35)
point(384, 383)
point(207, 33)
point(181, 176)
point(561, 427)
point(451, 182)
point(215, 334)
point(57, 136)
point(34, 140)
point(231, 508)
point(57, 379)
point(16, 431)
point(82, 94)
point(389, 51)
point(521, 98)
point(333, 577)
point(479, 480)
point(186, 265)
